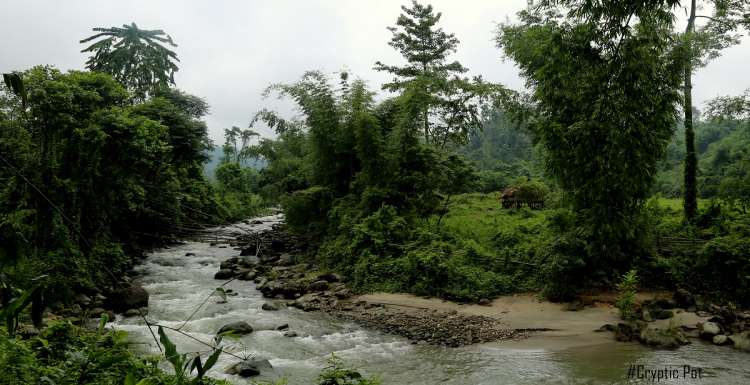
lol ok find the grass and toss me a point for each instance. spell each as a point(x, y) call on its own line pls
point(481, 218)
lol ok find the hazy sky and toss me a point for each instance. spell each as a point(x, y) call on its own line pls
point(231, 50)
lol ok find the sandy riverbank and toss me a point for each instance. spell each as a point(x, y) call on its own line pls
point(551, 325)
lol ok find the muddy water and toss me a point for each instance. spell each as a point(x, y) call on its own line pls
point(178, 283)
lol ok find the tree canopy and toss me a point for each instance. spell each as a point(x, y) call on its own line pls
point(137, 58)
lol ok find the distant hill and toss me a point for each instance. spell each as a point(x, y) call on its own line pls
point(214, 158)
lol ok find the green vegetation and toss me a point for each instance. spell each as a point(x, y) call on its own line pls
point(401, 193)
point(627, 288)
point(67, 354)
point(386, 197)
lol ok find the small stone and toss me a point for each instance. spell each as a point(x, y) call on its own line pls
point(290, 333)
point(190, 254)
point(132, 313)
point(282, 327)
point(485, 302)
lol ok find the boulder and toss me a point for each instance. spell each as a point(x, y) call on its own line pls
point(665, 303)
point(224, 274)
point(683, 299)
point(270, 306)
point(286, 259)
point(485, 302)
point(83, 299)
point(282, 327)
point(290, 333)
point(661, 314)
point(329, 277)
point(266, 259)
point(708, 330)
point(721, 339)
point(249, 368)
point(131, 296)
point(190, 254)
point(318, 286)
point(741, 341)
point(132, 313)
point(663, 338)
point(249, 276)
point(239, 327)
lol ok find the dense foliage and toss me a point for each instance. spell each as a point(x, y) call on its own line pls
point(600, 83)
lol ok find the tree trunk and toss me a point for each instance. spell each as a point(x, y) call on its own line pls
point(690, 203)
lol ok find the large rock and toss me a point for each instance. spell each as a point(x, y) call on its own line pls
point(249, 368)
point(224, 274)
point(683, 299)
point(721, 339)
point(663, 338)
point(286, 259)
point(708, 330)
point(741, 341)
point(270, 306)
point(239, 327)
point(329, 277)
point(318, 286)
point(132, 296)
point(665, 303)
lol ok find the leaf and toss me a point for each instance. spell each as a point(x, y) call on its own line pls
point(221, 293)
point(14, 308)
point(102, 322)
point(212, 359)
point(130, 379)
point(170, 351)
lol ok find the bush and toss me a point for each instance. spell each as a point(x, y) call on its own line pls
point(626, 298)
point(65, 354)
point(306, 211)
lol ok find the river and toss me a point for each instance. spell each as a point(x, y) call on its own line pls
point(178, 283)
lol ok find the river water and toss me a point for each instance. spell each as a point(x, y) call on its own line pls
point(178, 283)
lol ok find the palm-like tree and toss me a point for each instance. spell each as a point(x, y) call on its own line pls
point(137, 58)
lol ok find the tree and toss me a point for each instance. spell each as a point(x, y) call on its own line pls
point(446, 101)
point(137, 58)
point(604, 99)
point(701, 45)
point(237, 147)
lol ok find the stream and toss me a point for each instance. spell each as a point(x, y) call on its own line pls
point(178, 284)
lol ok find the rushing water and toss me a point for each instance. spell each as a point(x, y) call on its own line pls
point(178, 283)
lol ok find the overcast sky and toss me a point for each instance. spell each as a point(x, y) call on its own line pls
point(231, 50)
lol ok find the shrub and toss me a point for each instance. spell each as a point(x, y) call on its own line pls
point(306, 210)
point(626, 299)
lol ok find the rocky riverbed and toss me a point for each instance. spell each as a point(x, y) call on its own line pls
point(269, 258)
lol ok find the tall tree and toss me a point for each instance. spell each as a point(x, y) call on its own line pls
point(444, 98)
point(137, 58)
point(701, 45)
point(604, 91)
point(237, 147)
